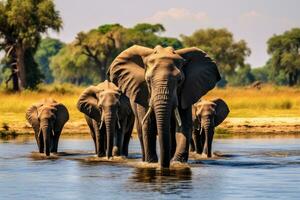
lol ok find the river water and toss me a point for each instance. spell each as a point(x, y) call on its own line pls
point(244, 168)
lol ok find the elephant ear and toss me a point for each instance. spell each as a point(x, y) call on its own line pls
point(127, 71)
point(222, 111)
point(201, 75)
point(87, 103)
point(62, 116)
point(32, 117)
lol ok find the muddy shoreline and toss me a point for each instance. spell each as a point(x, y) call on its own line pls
point(231, 126)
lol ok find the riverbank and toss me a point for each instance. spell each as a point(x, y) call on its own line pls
point(272, 109)
point(231, 126)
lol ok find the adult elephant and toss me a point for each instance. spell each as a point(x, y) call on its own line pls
point(162, 84)
point(110, 118)
point(47, 119)
point(206, 116)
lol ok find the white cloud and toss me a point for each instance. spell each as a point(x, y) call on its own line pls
point(177, 14)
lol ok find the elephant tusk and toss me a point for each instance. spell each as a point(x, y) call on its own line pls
point(147, 115)
point(177, 115)
point(101, 122)
point(198, 128)
point(119, 125)
point(118, 122)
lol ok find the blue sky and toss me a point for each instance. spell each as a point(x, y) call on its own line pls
point(252, 20)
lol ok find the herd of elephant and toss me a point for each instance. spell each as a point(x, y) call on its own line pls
point(159, 90)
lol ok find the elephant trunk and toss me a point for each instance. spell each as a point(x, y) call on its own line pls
point(162, 109)
point(47, 131)
point(110, 125)
point(209, 132)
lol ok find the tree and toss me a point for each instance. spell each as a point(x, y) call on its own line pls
point(261, 74)
point(47, 48)
point(103, 44)
point(70, 65)
point(21, 25)
point(242, 77)
point(285, 54)
point(220, 44)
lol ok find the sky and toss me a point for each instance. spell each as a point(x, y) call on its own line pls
point(252, 20)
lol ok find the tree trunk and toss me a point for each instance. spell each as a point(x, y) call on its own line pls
point(20, 51)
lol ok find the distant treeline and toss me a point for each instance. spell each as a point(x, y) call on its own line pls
point(85, 60)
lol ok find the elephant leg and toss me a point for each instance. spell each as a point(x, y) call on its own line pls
point(127, 136)
point(196, 140)
point(173, 136)
point(203, 140)
point(149, 138)
point(100, 143)
point(139, 129)
point(118, 142)
point(41, 141)
point(183, 138)
point(192, 143)
point(55, 142)
point(92, 124)
point(208, 142)
point(36, 135)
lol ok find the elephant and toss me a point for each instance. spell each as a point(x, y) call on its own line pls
point(162, 85)
point(47, 119)
point(206, 116)
point(110, 118)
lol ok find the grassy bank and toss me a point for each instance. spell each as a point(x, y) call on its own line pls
point(270, 101)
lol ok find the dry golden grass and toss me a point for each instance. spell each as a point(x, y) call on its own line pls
point(14, 105)
point(270, 101)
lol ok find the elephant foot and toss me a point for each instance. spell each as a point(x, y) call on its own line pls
point(153, 159)
point(178, 164)
point(100, 155)
point(183, 157)
point(116, 151)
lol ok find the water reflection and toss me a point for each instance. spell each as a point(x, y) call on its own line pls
point(165, 181)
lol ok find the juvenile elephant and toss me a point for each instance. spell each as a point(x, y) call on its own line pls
point(206, 116)
point(162, 85)
point(110, 118)
point(47, 119)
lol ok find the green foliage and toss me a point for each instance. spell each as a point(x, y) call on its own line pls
point(220, 44)
point(87, 58)
point(70, 65)
point(261, 74)
point(285, 55)
point(33, 75)
point(21, 24)
point(243, 76)
point(47, 48)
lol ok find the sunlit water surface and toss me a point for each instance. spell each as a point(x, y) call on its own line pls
point(253, 168)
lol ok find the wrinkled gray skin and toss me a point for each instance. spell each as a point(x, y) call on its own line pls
point(206, 116)
point(109, 117)
point(47, 118)
point(162, 85)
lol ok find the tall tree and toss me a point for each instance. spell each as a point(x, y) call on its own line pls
point(285, 54)
point(220, 44)
point(71, 65)
point(21, 25)
point(102, 44)
point(47, 48)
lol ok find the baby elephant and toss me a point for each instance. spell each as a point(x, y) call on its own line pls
point(206, 116)
point(47, 119)
point(110, 118)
